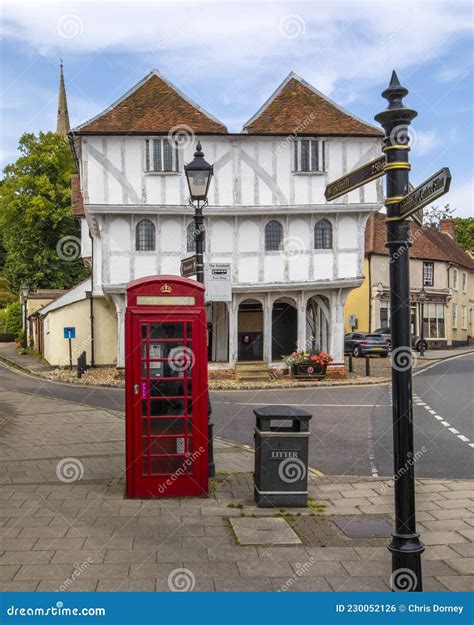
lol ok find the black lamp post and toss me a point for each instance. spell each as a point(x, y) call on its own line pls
point(198, 174)
point(25, 289)
point(406, 547)
point(422, 298)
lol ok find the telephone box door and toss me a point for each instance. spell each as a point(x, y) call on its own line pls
point(167, 404)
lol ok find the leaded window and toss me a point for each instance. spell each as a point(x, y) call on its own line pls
point(161, 155)
point(145, 236)
point(191, 236)
point(273, 236)
point(309, 155)
point(323, 235)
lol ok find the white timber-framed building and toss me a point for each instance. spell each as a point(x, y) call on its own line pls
point(294, 256)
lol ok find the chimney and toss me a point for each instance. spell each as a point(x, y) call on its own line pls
point(447, 226)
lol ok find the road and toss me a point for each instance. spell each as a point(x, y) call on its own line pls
point(351, 428)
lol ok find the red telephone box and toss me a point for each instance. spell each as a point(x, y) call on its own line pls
point(166, 388)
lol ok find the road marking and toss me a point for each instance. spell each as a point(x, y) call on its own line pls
point(302, 404)
point(453, 430)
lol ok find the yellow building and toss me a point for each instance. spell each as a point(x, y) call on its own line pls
point(437, 264)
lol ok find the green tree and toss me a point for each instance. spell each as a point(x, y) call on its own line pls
point(40, 237)
point(13, 318)
point(6, 296)
point(464, 232)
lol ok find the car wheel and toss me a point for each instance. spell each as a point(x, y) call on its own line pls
point(425, 346)
point(356, 351)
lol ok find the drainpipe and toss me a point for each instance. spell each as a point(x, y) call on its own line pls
point(369, 276)
point(91, 302)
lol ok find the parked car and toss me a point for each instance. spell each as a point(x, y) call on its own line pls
point(415, 340)
point(365, 343)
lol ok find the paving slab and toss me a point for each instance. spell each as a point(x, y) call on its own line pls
point(264, 531)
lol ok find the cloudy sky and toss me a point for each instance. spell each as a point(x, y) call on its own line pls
point(230, 56)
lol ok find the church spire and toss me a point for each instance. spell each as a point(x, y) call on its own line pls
point(62, 127)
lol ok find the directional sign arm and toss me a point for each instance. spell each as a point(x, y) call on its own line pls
point(355, 178)
point(433, 188)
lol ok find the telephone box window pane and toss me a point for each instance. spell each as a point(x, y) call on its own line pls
point(163, 425)
point(172, 349)
point(169, 407)
point(167, 466)
point(166, 446)
point(144, 408)
point(173, 369)
point(172, 388)
point(166, 330)
point(144, 330)
point(144, 371)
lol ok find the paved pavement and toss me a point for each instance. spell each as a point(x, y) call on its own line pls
point(356, 420)
point(65, 524)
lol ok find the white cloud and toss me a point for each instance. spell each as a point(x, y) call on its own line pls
point(460, 197)
point(423, 141)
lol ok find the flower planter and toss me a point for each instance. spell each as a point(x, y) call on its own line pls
point(308, 371)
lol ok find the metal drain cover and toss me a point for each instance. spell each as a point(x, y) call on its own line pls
point(365, 528)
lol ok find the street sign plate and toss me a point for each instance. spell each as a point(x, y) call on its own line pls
point(218, 282)
point(189, 266)
point(355, 178)
point(418, 217)
point(433, 188)
point(70, 332)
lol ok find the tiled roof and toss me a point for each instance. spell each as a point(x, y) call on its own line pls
point(77, 201)
point(428, 243)
point(297, 107)
point(156, 106)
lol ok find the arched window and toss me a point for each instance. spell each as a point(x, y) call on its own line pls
point(323, 235)
point(273, 236)
point(191, 236)
point(145, 236)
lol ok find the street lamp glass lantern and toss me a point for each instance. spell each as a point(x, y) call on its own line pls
point(422, 295)
point(198, 174)
point(24, 290)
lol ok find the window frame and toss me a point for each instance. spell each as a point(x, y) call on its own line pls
point(463, 317)
point(454, 316)
point(320, 152)
point(464, 281)
point(282, 237)
point(324, 232)
point(455, 279)
point(150, 157)
point(428, 265)
point(191, 249)
point(137, 235)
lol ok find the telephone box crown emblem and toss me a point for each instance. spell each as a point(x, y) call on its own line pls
point(166, 289)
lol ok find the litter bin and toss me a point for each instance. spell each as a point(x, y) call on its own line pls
point(281, 457)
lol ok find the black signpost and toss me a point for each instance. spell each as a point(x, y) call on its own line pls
point(406, 547)
point(355, 178)
point(402, 202)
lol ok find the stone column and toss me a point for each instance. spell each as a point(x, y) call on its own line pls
point(120, 306)
point(301, 321)
point(233, 310)
point(267, 328)
point(336, 335)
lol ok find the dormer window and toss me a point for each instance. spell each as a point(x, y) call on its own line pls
point(309, 155)
point(161, 155)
